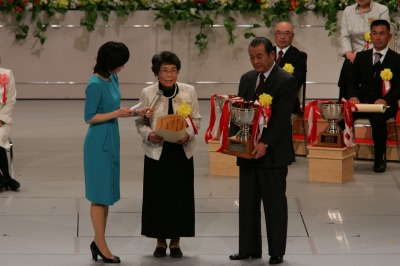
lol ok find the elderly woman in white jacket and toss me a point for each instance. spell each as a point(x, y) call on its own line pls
point(168, 178)
point(8, 95)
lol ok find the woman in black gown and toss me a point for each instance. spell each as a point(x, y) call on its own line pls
point(168, 190)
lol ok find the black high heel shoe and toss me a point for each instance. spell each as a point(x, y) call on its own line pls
point(96, 252)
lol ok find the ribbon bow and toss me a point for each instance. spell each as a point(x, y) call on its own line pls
point(312, 121)
point(261, 119)
point(209, 132)
point(224, 122)
point(349, 108)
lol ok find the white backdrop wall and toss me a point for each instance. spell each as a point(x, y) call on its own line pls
point(61, 67)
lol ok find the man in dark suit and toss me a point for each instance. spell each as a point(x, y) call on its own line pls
point(264, 177)
point(290, 55)
point(365, 85)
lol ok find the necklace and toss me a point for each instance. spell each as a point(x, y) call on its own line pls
point(173, 95)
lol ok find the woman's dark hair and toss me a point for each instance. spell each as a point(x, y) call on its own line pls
point(264, 41)
point(110, 56)
point(166, 58)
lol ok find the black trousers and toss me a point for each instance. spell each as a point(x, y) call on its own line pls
point(269, 186)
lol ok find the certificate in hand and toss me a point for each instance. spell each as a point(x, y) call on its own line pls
point(171, 127)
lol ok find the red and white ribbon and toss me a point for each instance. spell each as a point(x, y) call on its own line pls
point(261, 119)
point(4, 80)
point(191, 125)
point(209, 132)
point(224, 122)
point(312, 122)
point(348, 109)
point(386, 86)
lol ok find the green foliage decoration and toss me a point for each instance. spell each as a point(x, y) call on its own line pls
point(199, 13)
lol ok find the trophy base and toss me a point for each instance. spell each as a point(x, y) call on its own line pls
point(239, 148)
point(330, 140)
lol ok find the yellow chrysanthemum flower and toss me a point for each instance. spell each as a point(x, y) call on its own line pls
point(265, 99)
point(386, 74)
point(63, 3)
point(367, 36)
point(184, 110)
point(289, 68)
point(265, 6)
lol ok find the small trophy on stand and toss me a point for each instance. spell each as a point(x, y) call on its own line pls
point(332, 136)
point(242, 114)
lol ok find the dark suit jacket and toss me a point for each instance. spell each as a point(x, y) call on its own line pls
point(366, 84)
point(298, 60)
point(278, 135)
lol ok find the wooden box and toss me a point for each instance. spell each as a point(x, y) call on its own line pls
point(331, 165)
point(221, 164)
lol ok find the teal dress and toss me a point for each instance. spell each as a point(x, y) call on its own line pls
point(102, 143)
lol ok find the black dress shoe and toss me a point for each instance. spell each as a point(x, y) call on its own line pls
point(275, 259)
point(160, 252)
point(13, 184)
point(380, 166)
point(243, 256)
point(175, 252)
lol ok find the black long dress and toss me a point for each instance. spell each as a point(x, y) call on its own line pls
point(168, 191)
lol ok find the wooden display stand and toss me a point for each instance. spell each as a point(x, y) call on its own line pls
point(330, 165)
point(221, 164)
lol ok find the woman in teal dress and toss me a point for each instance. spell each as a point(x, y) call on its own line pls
point(102, 142)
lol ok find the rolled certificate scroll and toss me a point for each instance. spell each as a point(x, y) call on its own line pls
point(371, 108)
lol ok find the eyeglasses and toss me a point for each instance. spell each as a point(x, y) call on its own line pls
point(284, 33)
point(166, 71)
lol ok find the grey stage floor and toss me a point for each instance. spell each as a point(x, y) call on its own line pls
point(47, 221)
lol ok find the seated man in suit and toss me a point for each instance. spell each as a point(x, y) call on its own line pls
point(365, 85)
point(285, 53)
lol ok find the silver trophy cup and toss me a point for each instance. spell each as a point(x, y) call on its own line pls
point(242, 114)
point(333, 113)
point(332, 136)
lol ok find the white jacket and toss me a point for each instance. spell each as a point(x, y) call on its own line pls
point(7, 108)
point(187, 94)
